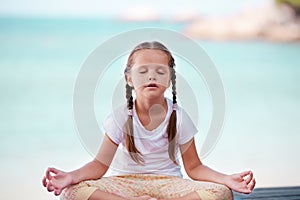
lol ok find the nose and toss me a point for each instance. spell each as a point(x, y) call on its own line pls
point(152, 76)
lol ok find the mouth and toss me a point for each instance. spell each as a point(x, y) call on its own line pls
point(152, 85)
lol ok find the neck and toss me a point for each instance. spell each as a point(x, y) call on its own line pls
point(151, 113)
point(145, 105)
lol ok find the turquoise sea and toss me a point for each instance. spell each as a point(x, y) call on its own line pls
point(39, 63)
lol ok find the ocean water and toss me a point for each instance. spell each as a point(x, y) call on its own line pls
point(41, 58)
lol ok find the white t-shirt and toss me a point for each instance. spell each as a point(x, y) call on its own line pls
point(153, 144)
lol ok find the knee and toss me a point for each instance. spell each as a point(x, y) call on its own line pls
point(215, 192)
point(80, 191)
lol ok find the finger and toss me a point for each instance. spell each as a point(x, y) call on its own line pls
point(252, 184)
point(44, 181)
point(249, 178)
point(245, 173)
point(57, 192)
point(53, 170)
point(48, 175)
point(245, 190)
point(56, 184)
point(53, 183)
point(50, 187)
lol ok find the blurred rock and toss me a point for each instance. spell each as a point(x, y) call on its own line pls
point(271, 22)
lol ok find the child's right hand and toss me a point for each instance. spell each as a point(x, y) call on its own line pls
point(56, 180)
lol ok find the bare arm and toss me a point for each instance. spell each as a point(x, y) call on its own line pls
point(56, 180)
point(98, 167)
point(242, 182)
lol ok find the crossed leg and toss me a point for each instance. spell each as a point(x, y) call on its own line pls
point(146, 188)
point(100, 195)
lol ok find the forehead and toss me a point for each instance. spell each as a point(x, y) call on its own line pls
point(151, 56)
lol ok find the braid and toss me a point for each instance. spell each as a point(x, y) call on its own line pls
point(129, 97)
point(173, 79)
point(172, 129)
point(130, 146)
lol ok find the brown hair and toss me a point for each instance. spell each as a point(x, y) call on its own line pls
point(134, 153)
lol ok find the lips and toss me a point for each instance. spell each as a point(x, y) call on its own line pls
point(152, 85)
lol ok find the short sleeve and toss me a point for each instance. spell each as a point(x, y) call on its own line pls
point(113, 126)
point(186, 127)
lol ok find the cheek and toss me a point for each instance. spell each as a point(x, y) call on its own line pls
point(164, 80)
point(138, 81)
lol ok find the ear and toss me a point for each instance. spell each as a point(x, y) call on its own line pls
point(169, 83)
point(129, 81)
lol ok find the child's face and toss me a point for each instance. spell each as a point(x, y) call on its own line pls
point(150, 73)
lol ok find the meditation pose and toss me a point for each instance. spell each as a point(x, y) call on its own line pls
point(145, 139)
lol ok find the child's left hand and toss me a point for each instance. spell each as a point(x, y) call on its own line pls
point(243, 182)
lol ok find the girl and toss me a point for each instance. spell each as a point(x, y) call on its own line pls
point(149, 133)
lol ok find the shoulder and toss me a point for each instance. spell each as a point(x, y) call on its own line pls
point(118, 113)
point(114, 123)
point(186, 128)
point(180, 112)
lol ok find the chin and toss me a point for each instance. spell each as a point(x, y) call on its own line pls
point(153, 96)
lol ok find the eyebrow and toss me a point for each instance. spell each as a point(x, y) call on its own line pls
point(153, 64)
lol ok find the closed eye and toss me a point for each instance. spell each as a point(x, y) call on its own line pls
point(161, 72)
point(143, 71)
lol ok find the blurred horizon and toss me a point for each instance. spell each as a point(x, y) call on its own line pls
point(117, 8)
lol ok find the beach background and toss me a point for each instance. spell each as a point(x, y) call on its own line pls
point(43, 45)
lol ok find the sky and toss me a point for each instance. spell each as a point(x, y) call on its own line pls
point(96, 8)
